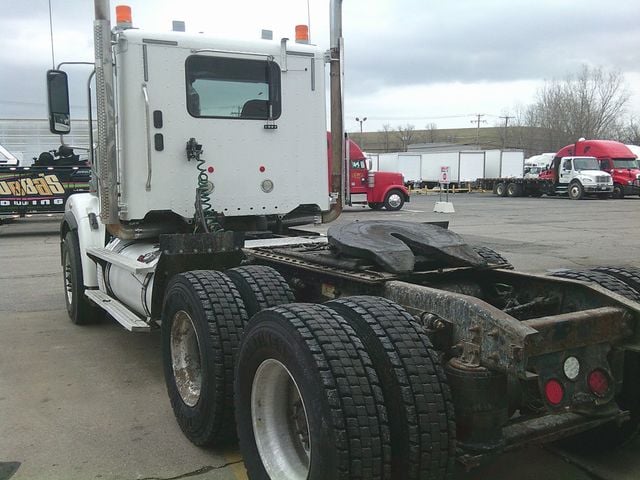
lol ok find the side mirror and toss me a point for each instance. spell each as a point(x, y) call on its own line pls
point(58, 99)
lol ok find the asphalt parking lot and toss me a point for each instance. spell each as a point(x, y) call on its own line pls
point(90, 402)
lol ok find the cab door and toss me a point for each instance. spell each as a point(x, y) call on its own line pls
point(566, 171)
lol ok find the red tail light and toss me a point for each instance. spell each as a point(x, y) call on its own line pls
point(598, 382)
point(554, 391)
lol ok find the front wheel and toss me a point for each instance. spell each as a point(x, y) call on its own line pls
point(81, 311)
point(618, 191)
point(394, 200)
point(576, 191)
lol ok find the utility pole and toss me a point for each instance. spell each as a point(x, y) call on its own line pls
point(506, 124)
point(478, 121)
point(361, 121)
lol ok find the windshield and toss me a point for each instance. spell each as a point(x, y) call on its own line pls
point(585, 163)
point(625, 163)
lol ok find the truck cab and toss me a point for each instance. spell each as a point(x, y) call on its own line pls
point(614, 158)
point(376, 189)
point(577, 177)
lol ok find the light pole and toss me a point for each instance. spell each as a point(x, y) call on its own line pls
point(361, 121)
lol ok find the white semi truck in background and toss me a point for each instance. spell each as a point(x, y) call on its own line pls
point(382, 350)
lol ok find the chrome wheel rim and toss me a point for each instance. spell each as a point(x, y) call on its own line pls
point(185, 358)
point(575, 191)
point(68, 279)
point(394, 200)
point(280, 424)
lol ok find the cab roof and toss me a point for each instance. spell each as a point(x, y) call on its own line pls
point(596, 148)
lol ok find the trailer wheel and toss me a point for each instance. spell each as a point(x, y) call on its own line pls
point(492, 257)
point(81, 311)
point(394, 200)
point(308, 402)
point(260, 287)
point(375, 205)
point(618, 191)
point(603, 279)
point(514, 190)
point(202, 321)
point(576, 191)
point(501, 189)
point(415, 389)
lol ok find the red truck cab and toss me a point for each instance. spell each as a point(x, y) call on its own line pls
point(375, 189)
point(615, 159)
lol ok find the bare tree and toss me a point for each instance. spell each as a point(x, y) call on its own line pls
point(386, 136)
point(430, 134)
point(587, 105)
point(630, 132)
point(406, 135)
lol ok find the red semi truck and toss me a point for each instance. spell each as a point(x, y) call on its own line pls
point(376, 189)
point(614, 158)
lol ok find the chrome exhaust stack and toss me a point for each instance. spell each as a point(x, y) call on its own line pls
point(336, 186)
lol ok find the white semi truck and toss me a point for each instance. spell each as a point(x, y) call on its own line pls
point(383, 350)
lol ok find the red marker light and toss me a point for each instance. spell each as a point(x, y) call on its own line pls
point(598, 383)
point(554, 391)
point(210, 169)
point(262, 169)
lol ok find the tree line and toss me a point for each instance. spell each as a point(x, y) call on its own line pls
point(591, 104)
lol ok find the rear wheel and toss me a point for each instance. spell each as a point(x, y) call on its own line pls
point(602, 279)
point(202, 321)
point(81, 311)
point(514, 190)
point(628, 275)
point(492, 257)
point(260, 287)
point(416, 393)
point(308, 402)
point(576, 191)
point(394, 200)
point(501, 189)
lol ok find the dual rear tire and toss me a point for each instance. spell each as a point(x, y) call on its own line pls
point(349, 389)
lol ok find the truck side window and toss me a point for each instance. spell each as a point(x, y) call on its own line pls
point(566, 165)
point(220, 87)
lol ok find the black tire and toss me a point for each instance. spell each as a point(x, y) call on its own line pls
point(217, 316)
point(575, 191)
point(603, 279)
point(375, 205)
point(501, 189)
point(514, 190)
point(332, 375)
point(394, 200)
point(628, 275)
point(260, 287)
point(618, 191)
point(492, 257)
point(414, 385)
point(81, 311)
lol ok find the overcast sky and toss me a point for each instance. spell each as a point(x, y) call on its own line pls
point(407, 61)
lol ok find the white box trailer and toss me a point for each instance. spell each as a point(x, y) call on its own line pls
point(472, 166)
point(388, 162)
point(492, 163)
point(431, 163)
point(512, 164)
point(409, 165)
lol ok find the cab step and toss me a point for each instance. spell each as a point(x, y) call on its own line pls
point(102, 254)
point(119, 311)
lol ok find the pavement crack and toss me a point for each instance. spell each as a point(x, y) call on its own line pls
point(194, 473)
